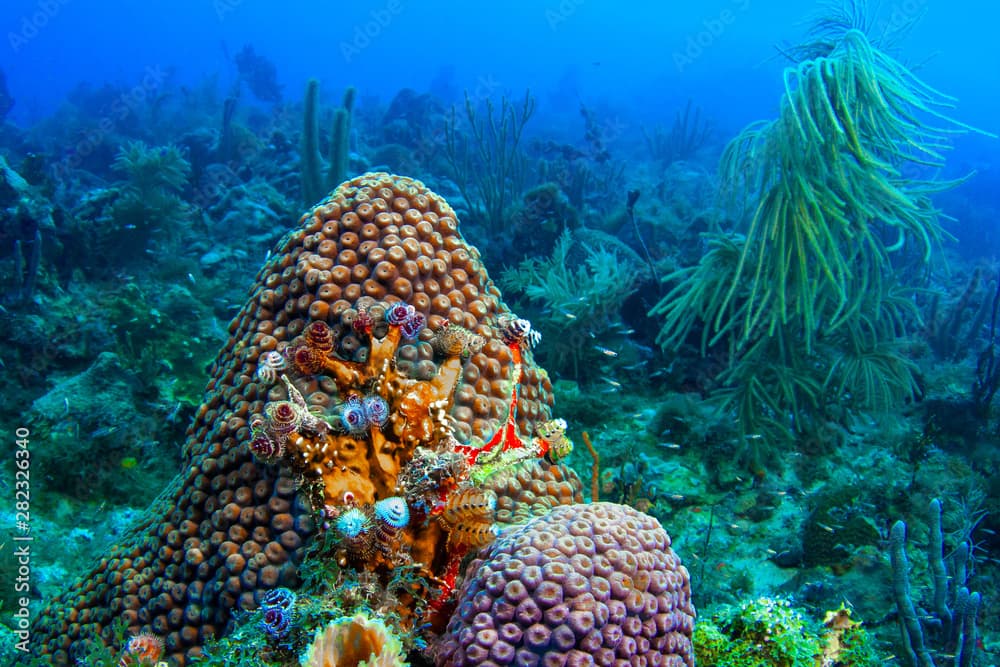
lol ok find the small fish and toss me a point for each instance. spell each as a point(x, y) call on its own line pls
point(129, 226)
point(605, 351)
point(172, 415)
point(613, 383)
point(66, 403)
point(103, 431)
point(670, 445)
point(568, 315)
point(678, 497)
point(192, 279)
point(829, 529)
point(129, 462)
point(610, 390)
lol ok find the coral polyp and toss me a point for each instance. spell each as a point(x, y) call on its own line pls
point(143, 649)
point(376, 410)
point(276, 623)
point(265, 447)
point(353, 418)
point(282, 598)
point(392, 513)
point(269, 365)
point(282, 418)
point(319, 337)
point(517, 331)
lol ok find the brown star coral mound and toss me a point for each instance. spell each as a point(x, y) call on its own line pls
point(230, 527)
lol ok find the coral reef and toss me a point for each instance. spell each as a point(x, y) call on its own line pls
point(230, 527)
point(768, 632)
point(582, 585)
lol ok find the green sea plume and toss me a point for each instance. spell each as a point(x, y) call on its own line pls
point(837, 218)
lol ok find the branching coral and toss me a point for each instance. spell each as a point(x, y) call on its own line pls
point(483, 151)
point(579, 290)
point(689, 133)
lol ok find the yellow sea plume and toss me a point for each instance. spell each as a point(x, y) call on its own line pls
point(356, 641)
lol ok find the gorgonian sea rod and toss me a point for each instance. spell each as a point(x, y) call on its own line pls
point(231, 527)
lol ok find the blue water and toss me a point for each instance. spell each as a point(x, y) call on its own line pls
point(635, 56)
point(640, 60)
